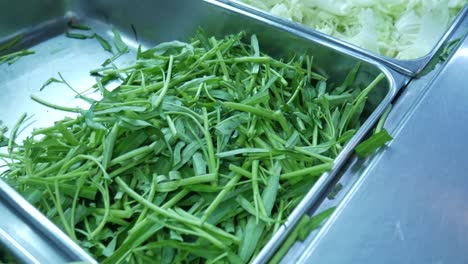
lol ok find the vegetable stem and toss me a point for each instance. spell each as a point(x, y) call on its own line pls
point(166, 83)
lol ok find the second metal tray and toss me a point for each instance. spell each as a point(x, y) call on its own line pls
point(410, 67)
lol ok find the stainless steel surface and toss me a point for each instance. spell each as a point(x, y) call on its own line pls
point(408, 67)
point(22, 14)
point(30, 236)
point(409, 202)
point(156, 21)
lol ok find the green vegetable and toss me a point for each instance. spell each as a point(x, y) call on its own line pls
point(300, 232)
point(78, 35)
point(373, 143)
point(49, 81)
point(10, 44)
point(6, 54)
point(14, 132)
point(199, 155)
point(119, 44)
point(336, 189)
point(102, 41)
point(405, 29)
point(13, 57)
point(74, 25)
point(3, 140)
point(104, 44)
point(382, 119)
point(314, 223)
point(449, 47)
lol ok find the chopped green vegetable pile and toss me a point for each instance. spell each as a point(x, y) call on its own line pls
point(404, 29)
point(199, 155)
point(9, 56)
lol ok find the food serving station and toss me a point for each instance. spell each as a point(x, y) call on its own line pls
point(405, 203)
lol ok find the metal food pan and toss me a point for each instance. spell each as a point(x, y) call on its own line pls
point(410, 67)
point(147, 22)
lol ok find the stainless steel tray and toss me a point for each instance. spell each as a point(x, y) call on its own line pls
point(409, 67)
point(147, 22)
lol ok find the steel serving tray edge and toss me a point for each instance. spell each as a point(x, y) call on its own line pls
point(24, 229)
point(92, 9)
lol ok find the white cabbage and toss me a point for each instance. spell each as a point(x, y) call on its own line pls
point(405, 29)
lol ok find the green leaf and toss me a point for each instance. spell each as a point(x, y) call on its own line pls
point(49, 81)
point(111, 59)
point(313, 223)
point(256, 49)
point(108, 146)
point(336, 189)
point(246, 205)
point(78, 35)
point(370, 145)
point(11, 58)
point(103, 42)
point(448, 49)
point(3, 139)
point(117, 109)
point(118, 42)
point(110, 248)
point(253, 232)
point(229, 125)
point(10, 44)
point(242, 151)
point(203, 38)
point(76, 25)
point(349, 80)
point(179, 50)
point(290, 240)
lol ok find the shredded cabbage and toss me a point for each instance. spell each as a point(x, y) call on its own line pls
point(403, 29)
